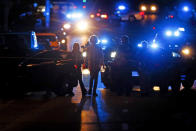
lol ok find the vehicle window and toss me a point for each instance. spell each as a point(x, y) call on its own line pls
point(13, 44)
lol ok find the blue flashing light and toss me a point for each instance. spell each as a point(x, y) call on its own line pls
point(140, 45)
point(154, 45)
point(168, 33)
point(121, 7)
point(104, 41)
point(74, 15)
point(135, 74)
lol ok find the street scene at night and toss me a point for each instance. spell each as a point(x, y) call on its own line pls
point(97, 65)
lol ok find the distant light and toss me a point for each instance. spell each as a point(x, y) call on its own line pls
point(142, 13)
point(181, 29)
point(176, 33)
point(75, 7)
point(68, 16)
point(92, 16)
point(98, 14)
point(186, 51)
point(135, 73)
point(118, 12)
point(64, 33)
point(140, 45)
point(171, 16)
point(185, 8)
point(154, 28)
point(153, 8)
point(84, 6)
point(84, 54)
point(104, 16)
point(35, 5)
point(84, 1)
point(176, 46)
point(168, 33)
point(63, 41)
point(104, 41)
point(67, 26)
point(121, 7)
point(156, 88)
point(143, 8)
point(82, 25)
point(154, 45)
point(113, 54)
point(43, 10)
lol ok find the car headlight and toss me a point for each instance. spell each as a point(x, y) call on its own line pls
point(82, 25)
point(143, 8)
point(153, 8)
point(113, 54)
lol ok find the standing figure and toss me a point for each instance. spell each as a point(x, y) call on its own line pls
point(95, 61)
point(78, 61)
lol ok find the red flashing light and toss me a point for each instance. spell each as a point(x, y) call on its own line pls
point(98, 14)
point(154, 28)
point(171, 16)
point(142, 13)
point(84, 6)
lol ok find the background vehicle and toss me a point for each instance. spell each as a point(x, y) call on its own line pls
point(22, 64)
point(51, 38)
point(47, 70)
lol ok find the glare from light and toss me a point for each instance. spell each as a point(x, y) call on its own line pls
point(140, 45)
point(64, 33)
point(63, 41)
point(168, 33)
point(181, 29)
point(143, 8)
point(185, 8)
point(104, 41)
point(121, 7)
point(154, 45)
point(85, 72)
point(186, 51)
point(84, 54)
point(82, 25)
point(43, 9)
point(153, 8)
point(104, 16)
point(92, 16)
point(67, 26)
point(113, 54)
point(69, 16)
point(176, 33)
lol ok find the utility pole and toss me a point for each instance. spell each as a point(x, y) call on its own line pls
point(47, 14)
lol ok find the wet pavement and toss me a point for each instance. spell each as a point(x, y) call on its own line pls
point(107, 112)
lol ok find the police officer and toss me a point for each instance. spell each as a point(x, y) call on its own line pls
point(121, 68)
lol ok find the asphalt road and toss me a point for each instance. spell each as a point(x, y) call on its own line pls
point(107, 112)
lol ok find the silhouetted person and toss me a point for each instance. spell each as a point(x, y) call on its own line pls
point(122, 67)
point(78, 61)
point(95, 61)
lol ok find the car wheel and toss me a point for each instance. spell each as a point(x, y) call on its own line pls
point(62, 88)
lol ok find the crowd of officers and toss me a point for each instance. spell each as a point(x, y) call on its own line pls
point(155, 68)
